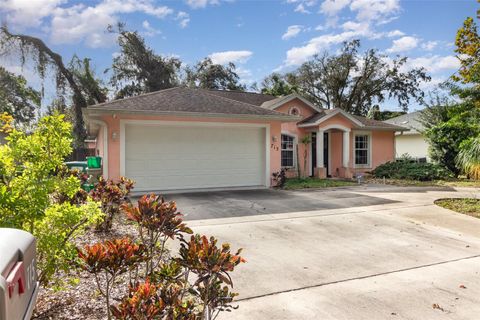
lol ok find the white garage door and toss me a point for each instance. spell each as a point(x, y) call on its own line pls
point(166, 157)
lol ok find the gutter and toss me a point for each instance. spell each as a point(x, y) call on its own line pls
point(101, 111)
point(361, 127)
point(401, 129)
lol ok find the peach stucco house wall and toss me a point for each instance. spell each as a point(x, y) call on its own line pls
point(333, 132)
point(112, 125)
point(341, 163)
point(291, 128)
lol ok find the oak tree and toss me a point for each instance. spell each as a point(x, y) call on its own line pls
point(356, 82)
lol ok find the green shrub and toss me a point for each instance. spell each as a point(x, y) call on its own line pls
point(411, 170)
point(39, 196)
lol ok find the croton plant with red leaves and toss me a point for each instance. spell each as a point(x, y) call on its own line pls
point(194, 285)
point(108, 260)
point(111, 194)
point(212, 265)
point(152, 301)
point(157, 221)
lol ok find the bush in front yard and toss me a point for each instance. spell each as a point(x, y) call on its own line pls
point(194, 284)
point(411, 170)
point(39, 195)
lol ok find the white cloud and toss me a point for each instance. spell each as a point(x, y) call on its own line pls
point(196, 4)
point(302, 5)
point(429, 45)
point(245, 75)
point(333, 7)
point(368, 14)
point(395, 33)
point(183, 19)
point(28, 13)
point(351, 30)
point(301, 8)
point(292, 31)
point(80, 22)
point(230, 56)
point(88, 23)
point(375, 10)
point(298, 55)
point(355, 26)
point(378, 11)
point(435, 63)
point(149, 30)
point(403, 44)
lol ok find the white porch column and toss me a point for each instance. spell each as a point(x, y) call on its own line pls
point(320, 149)
point(346, 148)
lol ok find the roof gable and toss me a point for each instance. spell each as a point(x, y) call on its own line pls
point(278, 102)
point(358, 121)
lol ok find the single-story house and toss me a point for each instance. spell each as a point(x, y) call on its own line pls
point(182, 138)
point(412, 142)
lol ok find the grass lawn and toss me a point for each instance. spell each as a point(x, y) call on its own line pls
point(468, 206)
point(305, 183)
point(434, 183)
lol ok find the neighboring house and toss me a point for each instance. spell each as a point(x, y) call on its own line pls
point(183, 138)
point(410, 142)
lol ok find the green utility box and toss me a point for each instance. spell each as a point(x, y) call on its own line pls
point(94, 162)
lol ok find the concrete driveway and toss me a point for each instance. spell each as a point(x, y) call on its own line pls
point(227, 204)
point(366, 253)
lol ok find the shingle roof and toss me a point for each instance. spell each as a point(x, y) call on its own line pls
point(369, 123)
point(315, 117)
point(377, 124)
point(267, 104)
point(186, 100)
point(257, 99)
point(409, 120)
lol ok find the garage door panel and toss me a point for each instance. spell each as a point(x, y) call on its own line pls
point(168, 157)
point(193, 181)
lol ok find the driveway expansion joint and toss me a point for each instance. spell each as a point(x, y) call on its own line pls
point(359, 278)
point(319, 214)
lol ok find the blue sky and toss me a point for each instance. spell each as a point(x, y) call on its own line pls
point(259, 36)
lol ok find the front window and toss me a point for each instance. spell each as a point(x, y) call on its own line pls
point(287, 151)
point(362, 150)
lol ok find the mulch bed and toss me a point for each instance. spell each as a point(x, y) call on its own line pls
point(82, 300)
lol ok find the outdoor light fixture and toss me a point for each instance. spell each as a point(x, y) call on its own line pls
point(114, 135)
point(274, 138)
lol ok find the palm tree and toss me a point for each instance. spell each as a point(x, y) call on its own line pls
point(469, 157)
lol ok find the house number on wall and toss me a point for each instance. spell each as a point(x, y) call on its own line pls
point(274, 146)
